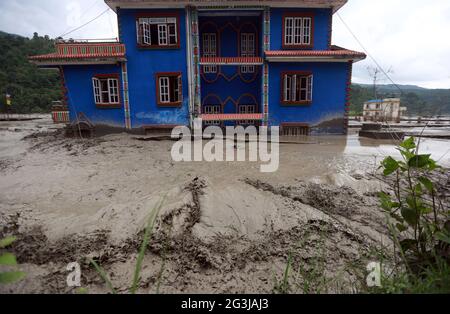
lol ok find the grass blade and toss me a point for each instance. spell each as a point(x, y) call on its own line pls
point(145, 241)
point(102, 274)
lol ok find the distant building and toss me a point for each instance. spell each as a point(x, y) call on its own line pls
point(383, 110)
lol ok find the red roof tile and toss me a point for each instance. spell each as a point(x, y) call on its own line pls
point(69, 51)
point(335, 52)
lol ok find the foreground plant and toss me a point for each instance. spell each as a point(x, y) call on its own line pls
point(147, 235)
point(9, 260)
point(421, 229)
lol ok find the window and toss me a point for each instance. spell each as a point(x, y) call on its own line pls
point(169, 89)
point(106, 90)
point(246, 109)
point(212, 109)
point(297, 88)
point(247, 50)
point(298, 31)
point(209, 50)
point(157, 31)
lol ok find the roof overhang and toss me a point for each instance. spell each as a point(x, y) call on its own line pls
point(59, 62)
point(163, 4)
point(335, 54)
point(82, 53)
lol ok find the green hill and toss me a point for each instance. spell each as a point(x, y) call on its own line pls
point(32, 90)
point(418, 100)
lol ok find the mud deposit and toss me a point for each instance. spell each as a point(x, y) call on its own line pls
point(223, 227)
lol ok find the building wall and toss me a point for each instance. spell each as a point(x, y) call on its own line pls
point(322, 27)
point(327, 111)
point(78, 80)
point(144, 63)
point(228, 85)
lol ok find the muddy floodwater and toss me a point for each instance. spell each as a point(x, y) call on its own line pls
point(224, 227)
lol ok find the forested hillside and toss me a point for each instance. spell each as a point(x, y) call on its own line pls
point(34, 89)
point(418, 100)
point(31, 89)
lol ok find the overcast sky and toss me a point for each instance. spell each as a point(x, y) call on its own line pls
point(410, 36)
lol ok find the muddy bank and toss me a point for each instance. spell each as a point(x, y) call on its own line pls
point(223, 227)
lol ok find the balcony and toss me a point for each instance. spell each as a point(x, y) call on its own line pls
point(68, 53)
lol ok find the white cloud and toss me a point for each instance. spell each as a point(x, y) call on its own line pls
point(411, 36)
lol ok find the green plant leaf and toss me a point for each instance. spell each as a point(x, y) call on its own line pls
point(10, 277)
point(386, 203)
point(408, 244)
point(426, 183)
point(82, 290)
point(8, 259)
point(104, 276)
point(7, 242)
point(425, 210)
point(401, 227)
point(419, 161)
point(408, 143)
point(390, 165)
point(410, 216)
point(443, 236)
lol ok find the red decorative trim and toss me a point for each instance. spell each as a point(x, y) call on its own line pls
point(119, 87)
point(67, 51)
point(231, 60)
point(160, 14)
point(232, 116)
point(298, 14)
point(169, 104)
point(293, 103)
point(334, 52)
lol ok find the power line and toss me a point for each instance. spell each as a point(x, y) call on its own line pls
point(82, 15)
point(368, 53)
point(89, 22)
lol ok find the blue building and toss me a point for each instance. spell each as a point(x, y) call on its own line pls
point(230, 62)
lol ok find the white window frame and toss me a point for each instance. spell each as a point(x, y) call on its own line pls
point(166, 28)
point(248, 49)
point(292, 86)
point(163, 38)
point(97, 90)
point(165, 87)
point(246, 109)
point(209, 50)
point(297, 31)
point(146, 34)
point(112, 92)
point(212, 109)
